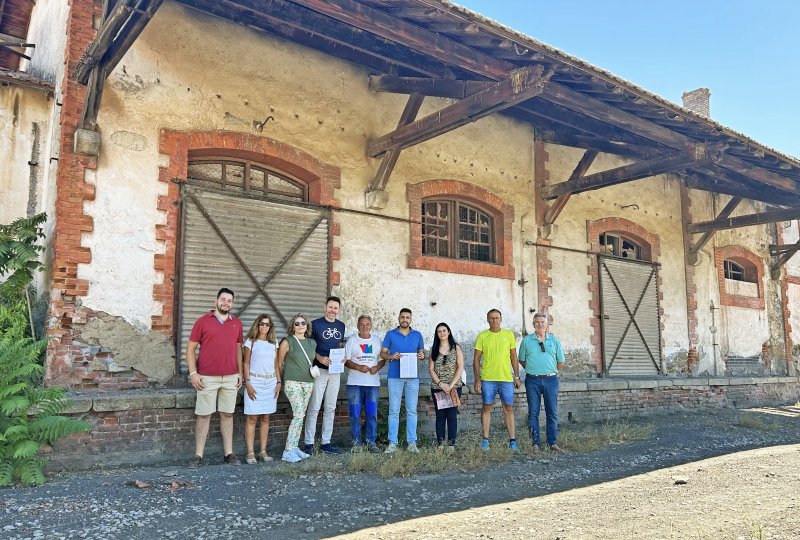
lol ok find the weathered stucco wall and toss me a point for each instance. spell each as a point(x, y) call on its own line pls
point(185, 74)
point(178, 76)
point(47, 31)
point(652, 203)
point(24, 125)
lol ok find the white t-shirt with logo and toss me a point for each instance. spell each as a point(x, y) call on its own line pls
point(365, 352)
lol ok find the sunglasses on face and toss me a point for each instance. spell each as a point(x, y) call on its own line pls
point(541, 345)
point(300, 323)
point(264, 324)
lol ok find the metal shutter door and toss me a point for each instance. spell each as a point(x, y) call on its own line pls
point(284, 247)
point(630, 320)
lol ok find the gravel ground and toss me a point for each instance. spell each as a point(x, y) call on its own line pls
point(624, 490)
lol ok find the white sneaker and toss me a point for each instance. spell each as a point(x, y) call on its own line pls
point(391, 449)
point(290, 456)
point(301, 454)
point(413, 448)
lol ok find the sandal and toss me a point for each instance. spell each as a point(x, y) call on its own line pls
point(264, 457)
point(250, 459)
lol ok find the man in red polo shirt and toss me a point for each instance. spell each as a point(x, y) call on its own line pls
point(216, 373)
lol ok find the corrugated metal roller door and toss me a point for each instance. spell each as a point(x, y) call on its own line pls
point(228, 241)
point(630, 320)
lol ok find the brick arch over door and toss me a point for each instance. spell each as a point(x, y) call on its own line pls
point(651, 251)
point(501, 212)
point(181, 146)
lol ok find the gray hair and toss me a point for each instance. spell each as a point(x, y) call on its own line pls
point(540, 315)
point(361, 317)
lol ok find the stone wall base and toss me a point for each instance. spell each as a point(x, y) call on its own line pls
point(157, 426)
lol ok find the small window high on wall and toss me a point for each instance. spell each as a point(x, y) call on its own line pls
point(245, 177)
point(457, 230)
point(740, 271)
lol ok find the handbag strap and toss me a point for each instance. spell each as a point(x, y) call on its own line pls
point(304, 351)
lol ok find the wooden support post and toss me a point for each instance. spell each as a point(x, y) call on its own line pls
point(580, 170)
point(376, 196)
point(745, 221)
point(729, 208)
point(105, 37)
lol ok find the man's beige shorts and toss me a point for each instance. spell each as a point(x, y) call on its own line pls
point(219, 394)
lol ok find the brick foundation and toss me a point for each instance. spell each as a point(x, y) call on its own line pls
point(158, 426)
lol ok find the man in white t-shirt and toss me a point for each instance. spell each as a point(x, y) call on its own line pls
point(363, 360)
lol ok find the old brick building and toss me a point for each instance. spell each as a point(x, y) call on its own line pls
point(405, 153)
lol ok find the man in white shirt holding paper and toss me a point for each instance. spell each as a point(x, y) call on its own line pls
point(363, 361)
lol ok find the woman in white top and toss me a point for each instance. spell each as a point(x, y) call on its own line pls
point(260, 383)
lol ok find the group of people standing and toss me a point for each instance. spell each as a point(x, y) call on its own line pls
point(300, 367)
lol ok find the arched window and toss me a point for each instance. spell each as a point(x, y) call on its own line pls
point(620, 246)
point(456, 230)
point(246, 177)
point(740, 270)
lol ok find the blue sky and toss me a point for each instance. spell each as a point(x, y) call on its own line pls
point(747, 53)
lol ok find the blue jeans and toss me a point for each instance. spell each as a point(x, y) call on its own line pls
point(536, 388)
point(396, 387)
point(365, 397)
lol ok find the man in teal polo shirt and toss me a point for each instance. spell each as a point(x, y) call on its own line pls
point(542, 357)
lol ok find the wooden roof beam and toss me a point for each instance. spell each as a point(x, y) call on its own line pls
point(761, 218)
point(608, 138)
point(692, 155)
point(580, 170)
point(105, 38)
point(452, 52)
point(520, 85)
point(376, 196)
point(729, 208)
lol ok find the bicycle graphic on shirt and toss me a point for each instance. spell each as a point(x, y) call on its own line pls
point(331, 333)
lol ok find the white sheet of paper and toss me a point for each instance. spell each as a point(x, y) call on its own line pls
point(408, 366)
point(337, 361)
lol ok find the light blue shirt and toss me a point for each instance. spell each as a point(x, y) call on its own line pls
point(536, 361)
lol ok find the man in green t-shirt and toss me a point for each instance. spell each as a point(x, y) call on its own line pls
point(497, 374)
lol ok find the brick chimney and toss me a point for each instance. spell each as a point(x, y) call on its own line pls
point(698, 101)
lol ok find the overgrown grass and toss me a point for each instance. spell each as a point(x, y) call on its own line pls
point(754, 421)
point(467, 454)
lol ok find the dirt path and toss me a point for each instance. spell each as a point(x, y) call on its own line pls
point(751, 494)
point(746, 488)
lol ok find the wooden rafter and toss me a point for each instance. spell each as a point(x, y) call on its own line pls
point(729, 208)
point(520, 85)
point(386, 167)
point(745, 221)
point(580, 170)
point(693, 155)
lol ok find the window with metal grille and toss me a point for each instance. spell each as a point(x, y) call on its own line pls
point(739, 271)
point(246, 177)
point(453, 229)
point(620, 246)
